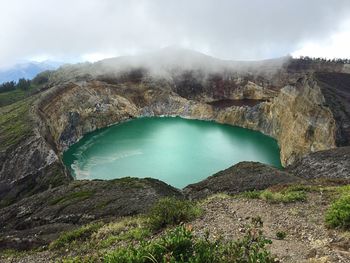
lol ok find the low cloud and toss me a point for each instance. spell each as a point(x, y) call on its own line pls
point(255, 29)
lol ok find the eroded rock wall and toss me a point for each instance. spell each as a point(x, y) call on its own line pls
point(300, 121)
point(76, 109)
point(296, 116)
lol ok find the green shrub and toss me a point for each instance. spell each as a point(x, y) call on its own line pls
point(180, 245)
point(251, 194)
point(281, 235)
point(338, 215)
point(287, 195)
point(283, 197)
point(172, 211)
point(81, 233)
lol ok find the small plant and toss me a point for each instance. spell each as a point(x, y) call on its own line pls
point(81, 233)
point(338, 215)
point(252, 247)
point(172, 211)
point(281, 235)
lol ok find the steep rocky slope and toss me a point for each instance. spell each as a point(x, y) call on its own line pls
point(37, 220)
point(332, 164)
point(336, 91)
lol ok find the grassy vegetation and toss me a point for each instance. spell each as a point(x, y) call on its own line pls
point(135, 234)
point(177, 244)
point(167, 212)
point(81, 233)
point(251, 194)
point(180, 245)
point(171, 211)
point(7, 98)
point(15, 123)
point(10, 97)
point(15, 119)
point(128, 229)
point(12, 253)
point(75, 197)
point(343, 190)
point(101, 238)
point(130, 182)
point(18, 94)
point(338, 214)
point(82, 259)
point(285, 195)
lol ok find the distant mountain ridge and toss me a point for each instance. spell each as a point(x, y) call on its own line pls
point(27, 70)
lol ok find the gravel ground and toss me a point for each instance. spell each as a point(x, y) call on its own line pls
point(307, 240)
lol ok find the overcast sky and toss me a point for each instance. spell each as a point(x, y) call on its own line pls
point(76, 30)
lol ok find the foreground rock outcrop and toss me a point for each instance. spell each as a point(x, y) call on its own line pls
point(37, 220)
point(332, 164)
point(244, 176)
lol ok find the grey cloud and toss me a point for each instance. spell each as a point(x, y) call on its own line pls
point(227, 29)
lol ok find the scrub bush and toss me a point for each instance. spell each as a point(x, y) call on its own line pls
point(81, 233)
point(172, 211)
point(338, 215)
point(180, 245)
point(283, 197)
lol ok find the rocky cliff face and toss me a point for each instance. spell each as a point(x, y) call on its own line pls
point(295, 114)
point(336, 90)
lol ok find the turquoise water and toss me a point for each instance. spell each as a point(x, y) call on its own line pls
point(174, 150)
